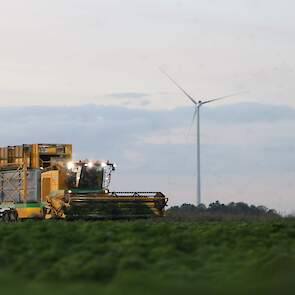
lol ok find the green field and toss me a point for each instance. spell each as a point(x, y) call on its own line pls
point(148, 257)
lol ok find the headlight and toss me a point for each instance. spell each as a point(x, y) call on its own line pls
point(70, 165)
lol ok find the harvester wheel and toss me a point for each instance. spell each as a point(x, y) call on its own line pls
point(13, 216)
point(6, 217)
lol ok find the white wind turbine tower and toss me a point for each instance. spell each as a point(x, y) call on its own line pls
point(196, 116)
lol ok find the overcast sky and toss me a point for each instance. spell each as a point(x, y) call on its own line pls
point(96, 64)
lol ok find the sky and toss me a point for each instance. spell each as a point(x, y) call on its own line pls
point(86, 72)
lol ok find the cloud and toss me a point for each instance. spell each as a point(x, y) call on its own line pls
point(249, 112)
point(226, 125)
point(247, 153)
point(128, 95)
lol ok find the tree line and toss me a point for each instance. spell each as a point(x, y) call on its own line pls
point(217, 210)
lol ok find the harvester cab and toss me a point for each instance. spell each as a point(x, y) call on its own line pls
point(89, 176)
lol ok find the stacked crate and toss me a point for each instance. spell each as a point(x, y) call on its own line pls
point(21, 167)
point(35, 156)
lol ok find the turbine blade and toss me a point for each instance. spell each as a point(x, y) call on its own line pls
point(223, 97)
point(177, 85)
point(192, 123)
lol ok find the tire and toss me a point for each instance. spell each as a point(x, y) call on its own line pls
point(6, 217)
point(13, 216)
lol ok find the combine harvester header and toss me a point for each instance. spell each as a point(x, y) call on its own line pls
point(42, 181)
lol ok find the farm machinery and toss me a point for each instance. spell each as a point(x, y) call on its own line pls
point(41, 181)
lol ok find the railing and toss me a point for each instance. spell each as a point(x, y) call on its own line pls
point(138, 194)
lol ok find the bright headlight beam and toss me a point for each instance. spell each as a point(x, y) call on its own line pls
point(70, 165)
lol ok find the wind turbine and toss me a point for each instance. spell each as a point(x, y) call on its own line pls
point(196, 116)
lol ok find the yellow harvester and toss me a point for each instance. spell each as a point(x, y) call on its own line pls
point(42, 181)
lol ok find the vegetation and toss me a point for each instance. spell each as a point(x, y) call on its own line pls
point(148, 257)
point(219, 211)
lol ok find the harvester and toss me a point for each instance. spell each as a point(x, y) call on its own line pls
point(42, 181)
